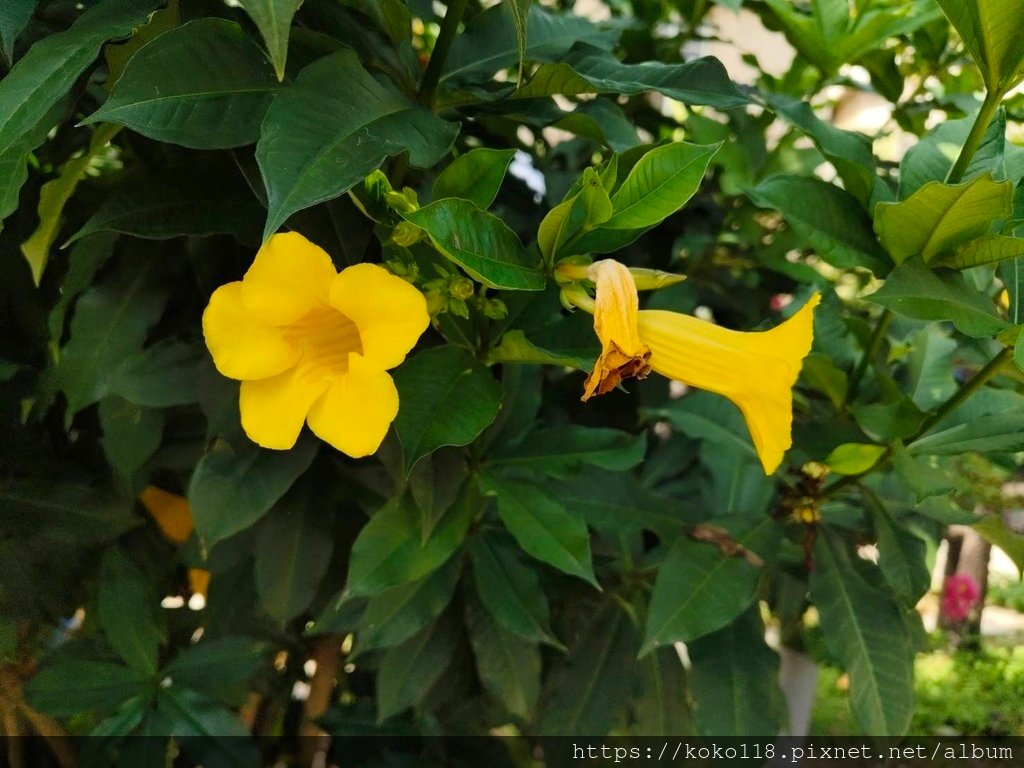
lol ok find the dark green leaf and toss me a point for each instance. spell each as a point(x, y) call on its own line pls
point(828, 218)
point(293, 550)
point(474, 176)
point(74, 687)
point(335, 125)
point(128, 609)
point(391, 548)
point(160, 376)
point(14, 17)
point(509, 666)
point(542, 526)
point(213, 665)
point(1002, 433)
point(863, 628)
point(570, 446)
point(447, 397)
point(131, 434)
point(46, 73)
point(230, 490)
point(274, 20)
point(735, 680)
point(407, 671)
point(203, 85)
point(700, 588)
point(67, 512)
point(916, 291)
point(480, 243)
point(588, 695)
point(662, 706)
point(510, 589)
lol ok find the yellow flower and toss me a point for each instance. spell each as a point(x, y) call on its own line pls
point(756, 371)
point(170, 511)
point(314, 346)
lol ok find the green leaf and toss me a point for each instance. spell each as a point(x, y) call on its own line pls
point(41, 79)
point(662, 706)
point(994, 530)
point(588, 694)
point(932, 157)
point(14, 17)
point(988, 249)
point(700, 588)
point(74, 687)
point(929, 367)
point(542, 526)
point(922, 479)
point(575, 216)
point(1001, 433)
point(85, 260)
point(901, 554)
point(520, 10)
point(693, 415)
point(480, 243)
point(131, 435)
point(214, 665)
point(203, 85)
point(395, 615)
point(180, 202)
point(475, 176)
point(829, 219)
point(232, 489)
point(128, 610)
point(409, 670)
point(587, 69)
point(734, 680)
point(447, 397)
point(273, 18)
point(509, 666)
point(938, 218)
point(914, 290)
point(111, 322)
point(510, 589)
point(993, 33)
point(490, 42)
point(854, 458)
point(54, 196)
point(391, 550)
point(293, 550)
point(160, 376)
point(334, 126)
point(570, 446)
point(659, 185)
point(863, 628)
point(67, 512)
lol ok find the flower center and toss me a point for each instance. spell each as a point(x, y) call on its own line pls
point(326, 338)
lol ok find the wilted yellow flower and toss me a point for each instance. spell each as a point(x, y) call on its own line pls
point(756, 371)
point(314, 346)
point(170, 511)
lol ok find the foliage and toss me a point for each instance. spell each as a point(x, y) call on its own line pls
point(509, 556)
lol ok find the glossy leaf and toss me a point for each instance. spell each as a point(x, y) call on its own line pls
point(332, 127)
point(474, 176)
point(993, 33)
point(480, 243)
point(14, 17)
point(542, 526)
point(40, 79)
point(274, 20)
point(203, 85)
point(562, 448)
point(854, 458)
point(447, 397)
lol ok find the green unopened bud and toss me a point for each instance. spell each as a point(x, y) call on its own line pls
point(495, 309)
point(401, 202)
point(436, 302)
point(461, 289)
point(458, 307)
point(406, 234)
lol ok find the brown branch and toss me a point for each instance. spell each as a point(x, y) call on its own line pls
point(326, 654)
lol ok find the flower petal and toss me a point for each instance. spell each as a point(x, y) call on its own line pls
point(289, 277)
point(242, 346)
point(390, 313)
point(756, 371)
point(355, 413)
point(274, 410)
point(623, 354)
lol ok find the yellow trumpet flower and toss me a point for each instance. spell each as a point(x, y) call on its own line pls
point(756, 371)
point(314, 346)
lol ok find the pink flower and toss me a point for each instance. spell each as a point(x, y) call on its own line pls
point(959, 596)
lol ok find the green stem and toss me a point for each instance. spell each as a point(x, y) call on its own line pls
point(975, 137)
point(881, 328)
point(449, 29)
point(972, 385)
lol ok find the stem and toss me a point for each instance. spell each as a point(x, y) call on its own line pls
point(449, 28)
point(881, 328)
point(326, 654)
point(972, 385)
point(976, 136)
